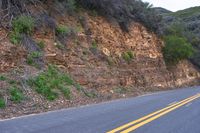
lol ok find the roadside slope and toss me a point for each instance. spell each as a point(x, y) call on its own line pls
point(95, 61)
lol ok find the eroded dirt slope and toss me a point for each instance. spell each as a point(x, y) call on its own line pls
point(105, 68)
point(95, 59)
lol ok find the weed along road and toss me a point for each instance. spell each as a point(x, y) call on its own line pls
point(176, 111)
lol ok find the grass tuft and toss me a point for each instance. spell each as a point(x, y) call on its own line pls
point(41, 44)
point(128, 56)
point(16, 94)
point(23, 24)
point(2, 78)
point(52, 81)
point(2, 103)
point(62, 30)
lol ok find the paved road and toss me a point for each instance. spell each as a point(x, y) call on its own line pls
point(164, 112)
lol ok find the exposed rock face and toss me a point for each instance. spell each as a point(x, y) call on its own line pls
point(104, 68)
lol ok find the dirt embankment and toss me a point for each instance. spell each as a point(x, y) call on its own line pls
point(104, 67)
point(103, 59)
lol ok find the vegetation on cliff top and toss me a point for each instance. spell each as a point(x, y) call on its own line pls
point(125, 12)
point(122, 11)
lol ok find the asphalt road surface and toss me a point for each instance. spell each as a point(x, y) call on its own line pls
point(176, 111)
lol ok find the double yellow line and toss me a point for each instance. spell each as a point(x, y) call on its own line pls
point(131, 126)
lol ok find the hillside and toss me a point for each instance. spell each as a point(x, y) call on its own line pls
point(193, 11)
point(161, 10)
point(65, 55)
point(190, 19)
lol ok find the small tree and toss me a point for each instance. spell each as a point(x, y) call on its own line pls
point(176, 49)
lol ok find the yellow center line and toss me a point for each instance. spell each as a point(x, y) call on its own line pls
point(147, 116)
point(157, 116)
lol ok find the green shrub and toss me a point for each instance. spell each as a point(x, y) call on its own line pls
point(41, 44)
point(128, 56)
point(2, 78)
point(23, 24)
point(66, 91)
point(51, 81)
point(30, 60)
point(16, 95)
point(62, 30)
point(2, 103)
point(32, 56)
point(130, 53)
point(15, 37)
point(176, 49)
point(94, 45)
point(35, 54)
